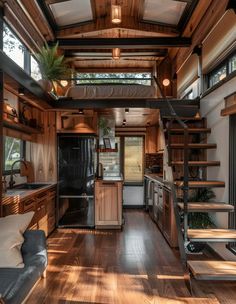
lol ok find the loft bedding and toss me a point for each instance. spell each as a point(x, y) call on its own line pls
point(111, 91)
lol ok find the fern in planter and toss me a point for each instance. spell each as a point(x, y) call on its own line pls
point(52, 65)
point(201, 220)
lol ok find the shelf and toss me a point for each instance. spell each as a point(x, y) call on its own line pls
point(21, 127)
point(107, 150)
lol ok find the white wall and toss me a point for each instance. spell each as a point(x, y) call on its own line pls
point(211, 105)
point(133, 195)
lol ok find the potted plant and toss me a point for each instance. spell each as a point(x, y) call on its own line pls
point(200, 220)
point(52, 67)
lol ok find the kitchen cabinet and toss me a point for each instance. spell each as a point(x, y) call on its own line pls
point(160, 139)
point(155, 140)
point(160, 207)
point(108, 204)
point(42, 202)
point(169, 224)
point(151, 140)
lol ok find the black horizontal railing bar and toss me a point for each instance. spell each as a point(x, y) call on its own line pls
point(106, 78)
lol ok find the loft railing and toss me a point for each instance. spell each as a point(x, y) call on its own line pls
point(182, 239)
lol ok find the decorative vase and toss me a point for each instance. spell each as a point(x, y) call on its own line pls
point(45, 84)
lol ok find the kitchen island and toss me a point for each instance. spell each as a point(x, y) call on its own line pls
point(108, 202)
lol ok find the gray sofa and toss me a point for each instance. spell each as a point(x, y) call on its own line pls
point(16, 283)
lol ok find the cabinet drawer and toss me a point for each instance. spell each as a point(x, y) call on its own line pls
point(42, 197)
point(28, 205)
point(41, 210)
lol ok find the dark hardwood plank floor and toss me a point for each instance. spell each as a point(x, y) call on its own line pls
point(113, 267)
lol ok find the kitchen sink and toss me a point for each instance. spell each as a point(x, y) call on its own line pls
point(28, 186)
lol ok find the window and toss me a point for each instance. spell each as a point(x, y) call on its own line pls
point(34, 68)
point(217, 75)
point(13, 47)
point(232, 64)
point(111, 161)
point(125, 78)
point(133, 159)
point(222, 71)
point(13, 150)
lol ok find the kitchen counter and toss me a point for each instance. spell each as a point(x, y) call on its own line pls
point(157, 178)
point(15, 195)
point(111, 178)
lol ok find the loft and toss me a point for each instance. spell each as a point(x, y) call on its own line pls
point(117, 151)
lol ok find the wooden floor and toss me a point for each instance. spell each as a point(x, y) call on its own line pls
point(129, 267)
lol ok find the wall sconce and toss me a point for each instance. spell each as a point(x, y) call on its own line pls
point(116, 14)
point(64, 83)
point(127, 110)
point(21, 91)
point(124, 122)
point(116, 53)
point(81, 111)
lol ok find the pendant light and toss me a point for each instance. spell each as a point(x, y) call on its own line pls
point(116, 53)
point(116, 14)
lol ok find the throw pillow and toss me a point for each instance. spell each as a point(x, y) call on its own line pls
point(12, 228)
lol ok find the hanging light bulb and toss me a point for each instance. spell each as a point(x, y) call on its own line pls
point(116, 53)
point(116, 14)
point(64, 83)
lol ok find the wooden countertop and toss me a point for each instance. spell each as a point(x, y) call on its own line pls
point(16, 195)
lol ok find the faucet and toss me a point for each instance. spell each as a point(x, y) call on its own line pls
point(12, 182)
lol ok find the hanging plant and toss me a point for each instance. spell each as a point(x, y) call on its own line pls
point(103, 125)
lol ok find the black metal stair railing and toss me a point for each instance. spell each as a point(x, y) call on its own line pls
point(182, 239)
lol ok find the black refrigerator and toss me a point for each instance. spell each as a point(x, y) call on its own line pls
point(76, 173)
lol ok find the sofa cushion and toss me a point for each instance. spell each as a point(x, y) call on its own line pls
point(11, 239)
point(16, 283)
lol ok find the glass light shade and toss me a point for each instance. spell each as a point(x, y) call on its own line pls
point(166, 82)
point(64, 83)
point(116, 53)
point(116, 14)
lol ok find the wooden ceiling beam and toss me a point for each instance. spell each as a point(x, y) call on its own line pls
point(124, 43)
point(128, 23)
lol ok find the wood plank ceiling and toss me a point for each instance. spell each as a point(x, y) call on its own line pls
point(73, 19)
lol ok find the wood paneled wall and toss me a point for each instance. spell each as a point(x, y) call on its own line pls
point(43, 151)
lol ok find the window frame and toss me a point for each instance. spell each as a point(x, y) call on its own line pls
point(27, 53)
point(226, 63)
point(22, 156)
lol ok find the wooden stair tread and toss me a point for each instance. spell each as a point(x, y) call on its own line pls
point(201, 184)
point(190, 130)
point(213, 270)
point(207, 207)
point(211, 235)
point(184, 118)
point(197, 163)
point(193, 146)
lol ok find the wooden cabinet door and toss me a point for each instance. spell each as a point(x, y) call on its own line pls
point(151, 140)
point(108, 204)
point(160, 139)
